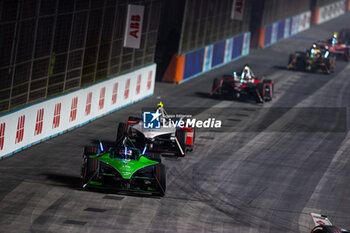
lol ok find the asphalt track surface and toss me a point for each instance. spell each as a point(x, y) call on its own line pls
point(265, 173)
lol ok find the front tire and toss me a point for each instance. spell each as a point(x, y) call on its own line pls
point(89, 165)
point(161, 179)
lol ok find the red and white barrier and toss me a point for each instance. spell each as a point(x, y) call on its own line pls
point(51, 117)
point(329, 12)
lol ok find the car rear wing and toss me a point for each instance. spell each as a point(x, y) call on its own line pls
point(321, 220)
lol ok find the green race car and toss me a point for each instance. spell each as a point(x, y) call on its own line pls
point(123, 168)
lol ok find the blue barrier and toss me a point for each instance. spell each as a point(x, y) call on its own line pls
point(280, 30)
point(214, 55)
point(237, 46)
point(268, 34)
point(286, 28)
point(218, 53)
point(194, 63)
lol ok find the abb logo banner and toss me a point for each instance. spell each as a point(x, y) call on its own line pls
point(39, 122)
point(101, 102)
point(237, 10)
point(132, 36)
point(73, 109)
point(127, 89)
point(88, 104)
point(115, 93)
point(20, 129)
point(56, 116)
point(2, 135)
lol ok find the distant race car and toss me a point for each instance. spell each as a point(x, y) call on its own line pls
point(170, 139)
point(318, 58)
point(123, 168)
point(337, 47)
point(323, 225)
point(243, 86)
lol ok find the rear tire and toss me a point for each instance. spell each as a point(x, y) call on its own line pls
point(89, 165)
point(193, 139)
point(181, 136)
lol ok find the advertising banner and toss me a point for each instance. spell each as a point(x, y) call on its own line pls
point(49, 118)
point(237, 10)
point(133, 27)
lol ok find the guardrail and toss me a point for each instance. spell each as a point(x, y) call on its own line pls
point(41, 121)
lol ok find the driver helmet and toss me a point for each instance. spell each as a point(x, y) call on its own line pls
point(247, 74)
point(314, 49)
point(334, 38)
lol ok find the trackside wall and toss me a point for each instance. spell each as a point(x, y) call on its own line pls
point(271, 33)
point(41, 121)
point(328, 12)
point(191, 64)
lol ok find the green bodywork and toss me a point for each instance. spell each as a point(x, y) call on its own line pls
point(125, 167)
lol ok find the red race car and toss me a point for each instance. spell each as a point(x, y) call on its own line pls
point(337, 46)
point(323, 225)
point(243, 85)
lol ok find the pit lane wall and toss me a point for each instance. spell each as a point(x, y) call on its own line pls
point(189, 65)
point(271, 33)
point(41, 121)
point(330, 11)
